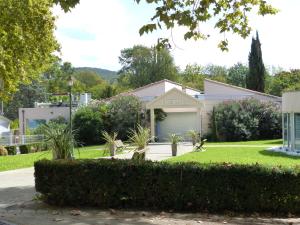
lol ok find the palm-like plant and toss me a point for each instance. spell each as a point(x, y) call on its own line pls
point(60, 139)
point(174, 138)
point(140, 137)
point(195, 136)
point(110, 141)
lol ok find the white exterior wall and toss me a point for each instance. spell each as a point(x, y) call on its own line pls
point(47, 114)
point(290, 102)
point(192, 92)
point(4, 126)
point(169, 86)
point(213, 88)
point(151, 91)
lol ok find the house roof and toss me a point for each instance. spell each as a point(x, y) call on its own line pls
point(243, 89)
point(184, 100)
point(148, 85)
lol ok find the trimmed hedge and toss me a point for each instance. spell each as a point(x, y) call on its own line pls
point(25, 149)
point(159, 185)
point(12, 150)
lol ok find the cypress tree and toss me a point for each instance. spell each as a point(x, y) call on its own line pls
point(256, 75)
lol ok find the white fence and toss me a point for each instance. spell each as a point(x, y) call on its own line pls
point(16, 140)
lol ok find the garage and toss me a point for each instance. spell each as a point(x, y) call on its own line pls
point(183, 114)
point(176, 123)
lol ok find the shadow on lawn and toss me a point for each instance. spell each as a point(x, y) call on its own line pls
point(274, 142)
point(278, 154)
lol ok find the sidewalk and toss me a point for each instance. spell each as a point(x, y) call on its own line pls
point(159, 151)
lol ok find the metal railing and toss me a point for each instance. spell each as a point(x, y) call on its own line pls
point(16, 140)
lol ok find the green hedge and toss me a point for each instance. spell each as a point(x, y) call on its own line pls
point(157, 185)
point(12, 150)
point(25, 149)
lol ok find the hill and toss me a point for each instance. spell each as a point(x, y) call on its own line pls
point(105, 74)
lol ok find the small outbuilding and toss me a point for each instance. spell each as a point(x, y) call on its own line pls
point(291, 120)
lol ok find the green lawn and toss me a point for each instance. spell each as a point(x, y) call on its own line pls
point(252, 152)
point(27, 160)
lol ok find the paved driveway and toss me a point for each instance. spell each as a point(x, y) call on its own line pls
point(16, 187)
point(160, 151)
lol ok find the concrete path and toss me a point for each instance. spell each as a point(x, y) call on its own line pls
point(159, 151)
point(16, 187)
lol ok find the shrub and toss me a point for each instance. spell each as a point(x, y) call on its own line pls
point(247, 119)
point(88, 123)
point(25, 149)
point(3, 151)
point(60, 140)
point(124, 113)
point(12, 150)
point(160, 185)
point(110, 140)
point(140, 137)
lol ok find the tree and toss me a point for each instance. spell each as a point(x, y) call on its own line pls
point(256, 75)
point(104, 90)
point(142, 65)
point(215, 72)
point(237, 75)
point(193, 76)
point(57, 76)
point(285, 81)
point(88, 123)
point(124, 113)
point(88, 78)
point(26, 42)
point(25, 98)
point(228, 16)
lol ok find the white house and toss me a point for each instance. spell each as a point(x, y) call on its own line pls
point(291, 120)
point(4, 126)
point(44, 112)
point(188, 108)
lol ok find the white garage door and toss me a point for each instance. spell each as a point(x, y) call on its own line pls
point(176, 123)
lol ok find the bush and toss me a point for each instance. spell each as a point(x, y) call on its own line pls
point(25, 149)
point(88, 124)
point(12, 150)
point(248, 119)
point(3, 151)
point(160, 185)
point(60, 140)
point(124, 113)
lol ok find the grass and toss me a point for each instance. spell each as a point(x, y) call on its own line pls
point(27, 160)
point(252, 152)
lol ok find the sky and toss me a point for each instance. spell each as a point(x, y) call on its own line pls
point(95, 31)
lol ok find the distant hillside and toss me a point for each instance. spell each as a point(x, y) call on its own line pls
point(105, 74)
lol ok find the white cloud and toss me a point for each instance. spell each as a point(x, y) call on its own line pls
point(113, 25)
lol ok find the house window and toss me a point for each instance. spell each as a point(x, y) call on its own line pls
point(286, 130)
point(32, 124)
point(297, 131)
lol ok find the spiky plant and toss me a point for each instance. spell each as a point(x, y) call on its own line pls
point(110, 141)
point(60, 139)
point(195, 136)
point(174, 138)
point(140, 137)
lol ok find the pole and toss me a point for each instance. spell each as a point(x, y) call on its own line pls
point(70, 102)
